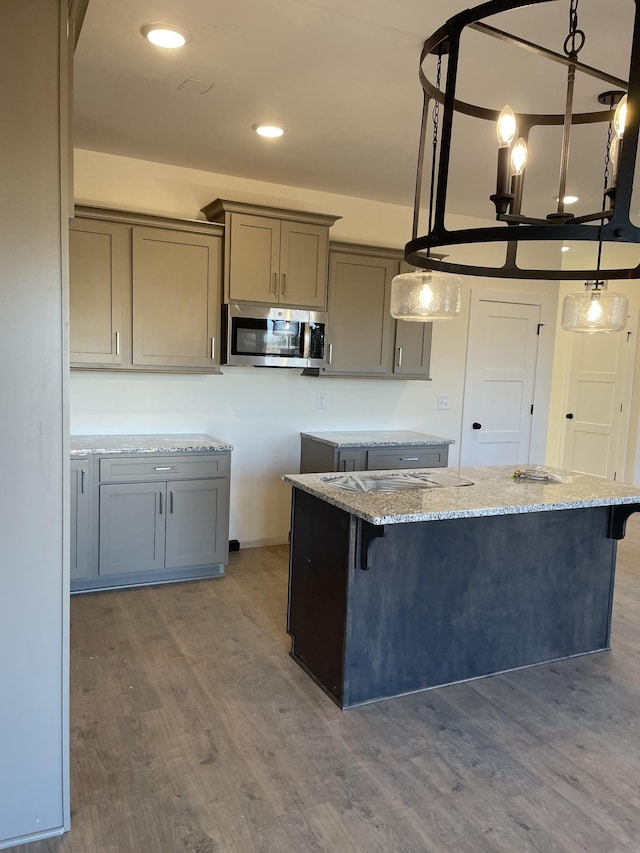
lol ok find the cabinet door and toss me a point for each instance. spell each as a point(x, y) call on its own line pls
point(176, 298)
point(360, 325)
point(254, 258)
point(197, 527)
point(303, 264)
point(352, 460)
point(132, 527)
point(80, 540)
point(412, 353)
point(98, 292)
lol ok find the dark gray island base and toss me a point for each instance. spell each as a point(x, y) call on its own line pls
point(380, 610)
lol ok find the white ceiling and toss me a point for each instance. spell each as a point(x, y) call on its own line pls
point(342, 76)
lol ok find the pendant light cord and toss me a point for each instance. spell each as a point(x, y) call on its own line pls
point(434, 147)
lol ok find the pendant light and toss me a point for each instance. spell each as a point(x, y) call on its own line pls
point(517, 223)
point(424, 295)
point(595, 309)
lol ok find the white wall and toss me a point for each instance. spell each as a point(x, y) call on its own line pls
point(261, 412)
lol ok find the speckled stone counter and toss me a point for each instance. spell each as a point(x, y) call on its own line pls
point(81, 445)
point(377, 438)
point(371, 450)
point(396, 592)
point(494, 492)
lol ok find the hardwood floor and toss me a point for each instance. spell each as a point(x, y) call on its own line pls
point(193, 730)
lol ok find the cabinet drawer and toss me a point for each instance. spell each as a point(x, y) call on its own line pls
point(407, 457)
point(120, 469)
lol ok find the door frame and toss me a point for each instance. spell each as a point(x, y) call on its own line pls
point(547, 300)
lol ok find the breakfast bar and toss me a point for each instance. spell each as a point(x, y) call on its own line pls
point(401, 581)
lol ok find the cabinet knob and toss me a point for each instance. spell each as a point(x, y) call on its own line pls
point(476, 425)
point(569, 416)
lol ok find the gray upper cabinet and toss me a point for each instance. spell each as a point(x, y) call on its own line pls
point(412, 354)
point(98, 292)
point(273, 256)
point(360, 329)
point(363, 338)
point(176, 298)
point(145, 292)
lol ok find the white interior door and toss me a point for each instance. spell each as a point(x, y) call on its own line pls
point(500, 382)
point(598, 402)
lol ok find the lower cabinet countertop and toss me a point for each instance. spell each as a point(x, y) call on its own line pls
point(492, 491)
point(81, 445)
point(377, 438)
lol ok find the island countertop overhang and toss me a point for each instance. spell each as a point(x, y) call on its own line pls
point(494, 492)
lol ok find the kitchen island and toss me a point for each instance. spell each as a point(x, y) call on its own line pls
point(392, 592)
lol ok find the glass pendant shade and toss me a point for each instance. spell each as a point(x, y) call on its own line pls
point(425, 295)
point(595, 310)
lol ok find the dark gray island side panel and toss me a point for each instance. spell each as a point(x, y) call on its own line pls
point(445, 601)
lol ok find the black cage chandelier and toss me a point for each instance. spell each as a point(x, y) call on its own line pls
point(433, 292)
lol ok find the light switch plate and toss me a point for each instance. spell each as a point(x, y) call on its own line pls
point(321, 401)
point(442, 403)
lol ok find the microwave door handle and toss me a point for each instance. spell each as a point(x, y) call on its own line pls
point(306, 346)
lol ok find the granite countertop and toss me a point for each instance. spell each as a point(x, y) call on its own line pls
point(494, 492)
point(81, 445)
point(377, 438)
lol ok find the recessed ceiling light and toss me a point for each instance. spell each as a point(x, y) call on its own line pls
point(271, 131)
point(566, 248)
point(165, 35)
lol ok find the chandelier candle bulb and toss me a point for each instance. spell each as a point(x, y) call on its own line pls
point(506, 131)
point(620, 117)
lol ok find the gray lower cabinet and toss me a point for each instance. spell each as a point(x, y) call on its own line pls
point(156, 518)
point(81, 534)
point(146, 526)
point(318, 456)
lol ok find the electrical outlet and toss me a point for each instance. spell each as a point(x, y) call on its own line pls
point(321, 401)
point(442, 403)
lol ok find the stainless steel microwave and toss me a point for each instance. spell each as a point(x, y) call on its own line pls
point(273, 336)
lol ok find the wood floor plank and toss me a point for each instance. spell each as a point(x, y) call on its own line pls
point(193, 730)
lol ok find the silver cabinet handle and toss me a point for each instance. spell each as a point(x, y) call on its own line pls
point(213, 349)
point(408, 458)
point(160, 494)
point(163, 468)
point(117, 343)
point(83, 475)
point(330, 357)
point(284, 284)
point(399, 360)
point(171, 502)
point(275, 282)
